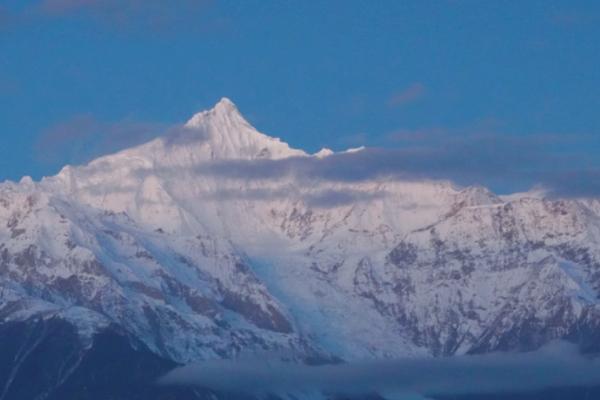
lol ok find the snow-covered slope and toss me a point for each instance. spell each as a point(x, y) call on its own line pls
point(183, 248)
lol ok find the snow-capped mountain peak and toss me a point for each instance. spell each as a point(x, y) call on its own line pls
point(226, 105)
point(223, 111)
point(228, 135)
point(157, 183)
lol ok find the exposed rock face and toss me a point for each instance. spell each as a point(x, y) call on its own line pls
point(492, 278)
point(188, 248)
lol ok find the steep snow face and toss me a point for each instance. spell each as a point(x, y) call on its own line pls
point(185, 297)
point(166, 183)
point(230, 136)
point(197, 264)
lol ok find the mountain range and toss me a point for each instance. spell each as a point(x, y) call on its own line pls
point(215, 241)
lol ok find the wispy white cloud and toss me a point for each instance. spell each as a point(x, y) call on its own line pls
point(410, 94)
point(323, 198)
point(415, 135)
point(147, 16)
point(119, 8)
point(570, 18)
point(83, 137)
point(7, 17)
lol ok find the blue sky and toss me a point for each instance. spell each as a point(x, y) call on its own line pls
point(465, 77)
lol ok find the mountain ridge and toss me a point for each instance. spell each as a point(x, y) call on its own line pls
point(197, 265)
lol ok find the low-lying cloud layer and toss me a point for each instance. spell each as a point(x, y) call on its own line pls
point(513, 170)
point(504, 163)
point(557, 365)
point(320, 198)
point(564, 165)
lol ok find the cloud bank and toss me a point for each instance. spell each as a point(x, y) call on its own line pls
point(556, 365)
point(470, 165)
point(503, 162)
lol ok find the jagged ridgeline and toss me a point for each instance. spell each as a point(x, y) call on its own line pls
point(215, 240)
